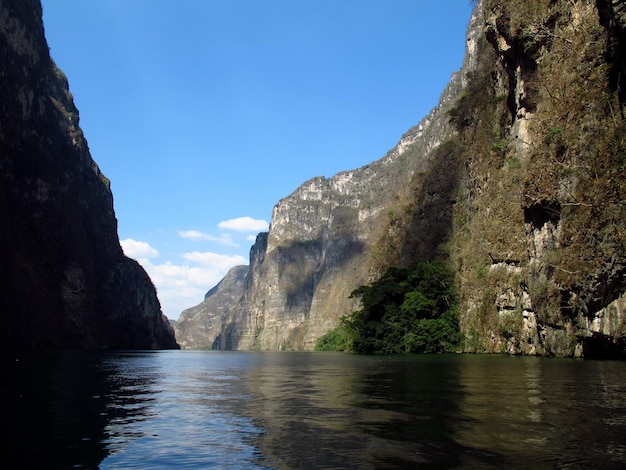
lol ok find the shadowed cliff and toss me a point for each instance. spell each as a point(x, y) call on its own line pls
point(64, 281)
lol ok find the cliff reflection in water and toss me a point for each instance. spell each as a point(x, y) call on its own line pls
point(346, 411)
point(56, 406)
point(448, 410)
point(210, 409)
point(557, 412)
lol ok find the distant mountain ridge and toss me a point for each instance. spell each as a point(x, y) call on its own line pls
point(64, 280)
point(199, 327)
point(515, 178)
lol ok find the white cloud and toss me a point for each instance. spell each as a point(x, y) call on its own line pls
point(179, 286)
point(195, 235)
point(136, 249)
point(244, 224)
point(183, 285)
point(225, 239)
point(214, 260)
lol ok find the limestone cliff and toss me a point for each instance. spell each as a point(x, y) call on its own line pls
point(539, 240)
point(333, 235)
point(517, 178)
point(64, 281)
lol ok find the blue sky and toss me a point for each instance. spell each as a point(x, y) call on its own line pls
point(205, 113)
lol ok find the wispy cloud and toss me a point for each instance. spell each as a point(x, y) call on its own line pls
point(240, 224)
point(195, 235)
point(225, 239)
point(137, 249)
point(214, 260)
point(244, 224)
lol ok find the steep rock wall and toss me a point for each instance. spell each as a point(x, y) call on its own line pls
point(539, 242)
point(333, 235)
point(517, 177)
point(64, 281)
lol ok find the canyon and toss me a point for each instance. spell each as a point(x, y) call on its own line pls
point(515, 179)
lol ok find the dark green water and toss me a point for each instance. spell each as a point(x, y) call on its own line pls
point(197, 410)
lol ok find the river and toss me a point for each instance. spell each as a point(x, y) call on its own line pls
point(238, 410)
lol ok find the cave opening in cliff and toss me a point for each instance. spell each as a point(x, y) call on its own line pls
point(600, 346)
point(539, 214)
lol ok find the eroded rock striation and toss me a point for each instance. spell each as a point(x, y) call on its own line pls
point(516, 177)
point(64, 280)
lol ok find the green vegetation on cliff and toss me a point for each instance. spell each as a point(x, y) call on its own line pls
point(406, 311)
point(524, 194)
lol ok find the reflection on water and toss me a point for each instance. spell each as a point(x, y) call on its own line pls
point(194, 409)
point(551, 411)
point(353, 411)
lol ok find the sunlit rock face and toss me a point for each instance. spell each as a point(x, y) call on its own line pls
point(64, 281)
point(540, 246)
point(516, 178)
point(332, 235)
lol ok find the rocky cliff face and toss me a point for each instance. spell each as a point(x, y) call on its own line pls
point(516, 178)
point(539, 241)
point(64, 281)
point(333, 235)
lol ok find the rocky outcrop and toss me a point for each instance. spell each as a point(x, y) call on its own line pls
point(64, 281)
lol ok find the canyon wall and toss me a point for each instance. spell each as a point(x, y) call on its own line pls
point(64, 281)
point(516, 179)
point(539, 243)
point(332, 235)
